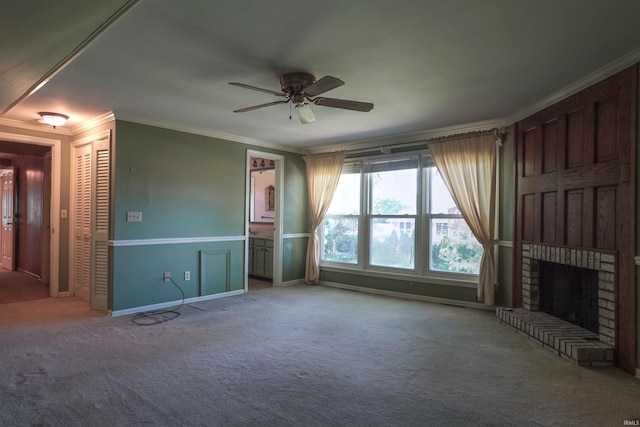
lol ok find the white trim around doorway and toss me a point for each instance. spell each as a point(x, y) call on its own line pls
point(56, 158)
point(278, 217)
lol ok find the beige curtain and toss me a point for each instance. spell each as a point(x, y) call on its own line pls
point(468, 167)
point(323, 174)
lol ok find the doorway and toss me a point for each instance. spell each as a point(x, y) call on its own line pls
point(264, 184)
point(26, 171)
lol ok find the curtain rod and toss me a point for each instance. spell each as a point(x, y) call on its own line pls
point(386, 149)
point(497, 133)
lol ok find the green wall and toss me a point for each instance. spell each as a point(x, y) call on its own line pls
point(193, 187)
point(294, 258)
point(507, 190)
point(185, 185)
point(137, 274)
point(297, 218)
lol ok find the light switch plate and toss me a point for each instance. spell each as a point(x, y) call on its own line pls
point(134, 216)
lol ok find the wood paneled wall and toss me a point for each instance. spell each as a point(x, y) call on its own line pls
point(575, 171)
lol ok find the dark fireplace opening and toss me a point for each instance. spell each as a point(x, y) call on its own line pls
point(570, 293)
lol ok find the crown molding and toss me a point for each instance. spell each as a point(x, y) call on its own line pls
point(209, 133)
point(38, 127)
point(600, 74)
point(93, 123)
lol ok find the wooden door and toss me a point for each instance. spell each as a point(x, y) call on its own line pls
point(8, 220)
point(46, 221)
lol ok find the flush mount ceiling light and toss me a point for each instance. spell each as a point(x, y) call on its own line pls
point(53, 119)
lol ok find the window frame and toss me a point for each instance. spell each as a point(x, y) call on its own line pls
point(421, 271)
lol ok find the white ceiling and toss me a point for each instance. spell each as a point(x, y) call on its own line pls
point(425, 64)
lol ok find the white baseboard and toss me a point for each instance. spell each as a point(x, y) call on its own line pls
point(63, 294)
point(292, 282)
point(445, 301)
point(168, 304)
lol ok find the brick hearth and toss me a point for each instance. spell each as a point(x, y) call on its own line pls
point(569, 341)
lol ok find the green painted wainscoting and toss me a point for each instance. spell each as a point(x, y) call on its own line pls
point(294, 254)
point(376, 282)
point(138, 271)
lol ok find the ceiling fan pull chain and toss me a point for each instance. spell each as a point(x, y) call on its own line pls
point(289, 111)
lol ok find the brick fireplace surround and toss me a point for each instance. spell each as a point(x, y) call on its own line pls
point(570, 341)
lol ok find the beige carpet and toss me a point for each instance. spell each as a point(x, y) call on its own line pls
point(296, 356)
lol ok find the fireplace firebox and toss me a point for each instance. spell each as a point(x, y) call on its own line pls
point(569, 293)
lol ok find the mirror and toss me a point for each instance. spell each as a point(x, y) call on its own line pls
point(262, 197)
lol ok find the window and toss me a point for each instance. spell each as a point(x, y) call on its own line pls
point(452, 246)
point(393, 213)
point(397, 215)
point(342, 222)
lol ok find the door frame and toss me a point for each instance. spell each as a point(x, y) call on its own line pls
point(56, 161)
point(278, 217)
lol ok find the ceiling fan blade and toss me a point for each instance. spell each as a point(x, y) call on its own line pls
point(255, 107)
point(323, 85)
point(258, 89)
point(344, 104)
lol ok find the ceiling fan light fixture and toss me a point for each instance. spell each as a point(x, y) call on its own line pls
point(298, 88)
point(305, 113)
point(53, 119)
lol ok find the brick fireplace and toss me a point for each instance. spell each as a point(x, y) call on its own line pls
point(570, 341)
point(603, 262)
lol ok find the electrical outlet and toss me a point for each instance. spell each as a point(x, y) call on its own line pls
point(187, 276)
point(166, 277)
point(134, 216)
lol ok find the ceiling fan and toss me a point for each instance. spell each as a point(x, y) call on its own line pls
point(298, 88)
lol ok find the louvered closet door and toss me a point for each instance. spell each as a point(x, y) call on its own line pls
point(100, 226)
point(92, 223)
point(82, 224)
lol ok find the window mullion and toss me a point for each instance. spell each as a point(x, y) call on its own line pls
point(426, 267)
point(363, 248)
point(420, 226)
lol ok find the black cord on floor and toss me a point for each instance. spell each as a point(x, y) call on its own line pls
point(147, 318)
